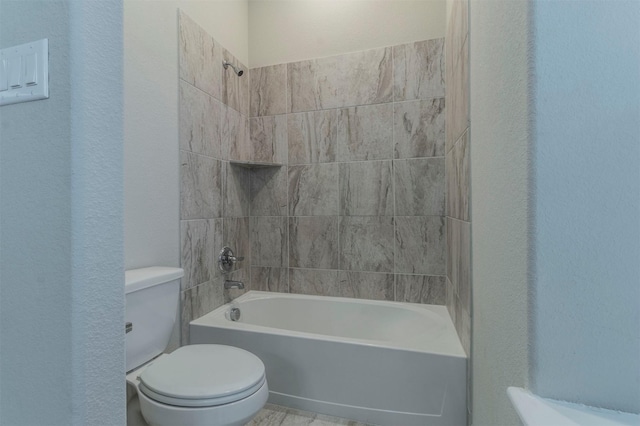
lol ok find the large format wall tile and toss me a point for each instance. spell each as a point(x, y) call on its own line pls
point(235, 90)
point(269, 191)
point(419, 70)
point(365, 285)
point(366, 243)
point(200, 186)
point(359, 78)
point(236, 192)
point(313, 190)
point(200, 240)
point(270, 279)
point(313, 137)
point(458, 98)
point(200, 118)
point(419, 186)
point(313, 281)
point(313, 242)
point(420, 245)
point(198, 301)
point(269, 241)
point(366, 188)
point(419, 128)
point(458, 179)
point(200, 57)
point(269, 138)
point(365, 133)
point(268, 90)
point(428, 289)
point(234, 133)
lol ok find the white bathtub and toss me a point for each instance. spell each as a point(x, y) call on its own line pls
point(377, 362)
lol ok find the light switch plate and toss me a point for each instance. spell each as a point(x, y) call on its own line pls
point(25, 73)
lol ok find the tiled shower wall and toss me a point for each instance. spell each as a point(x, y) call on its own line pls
point(458, 178)
point(214, 194)
point(357, 209)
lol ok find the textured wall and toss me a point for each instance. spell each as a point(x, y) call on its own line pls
point(458, 178)
point(357, 209)
point(61, 222)
point(500, 66)
point(214, 194)
point(586, 342)
point(151, 117)
point(282, 31)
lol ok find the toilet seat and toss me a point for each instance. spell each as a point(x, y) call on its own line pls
point(203, 376)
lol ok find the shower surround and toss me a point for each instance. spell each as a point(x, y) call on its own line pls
point(356, 207)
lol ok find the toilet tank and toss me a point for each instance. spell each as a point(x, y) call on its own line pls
point(152, 296)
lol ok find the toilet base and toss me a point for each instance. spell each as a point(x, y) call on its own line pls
point(234, 414)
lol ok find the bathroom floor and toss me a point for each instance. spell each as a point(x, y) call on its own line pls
point(275, 415)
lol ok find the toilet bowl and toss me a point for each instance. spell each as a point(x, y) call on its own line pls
point(196, 384)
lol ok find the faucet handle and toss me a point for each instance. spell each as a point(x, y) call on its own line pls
point(226, 259)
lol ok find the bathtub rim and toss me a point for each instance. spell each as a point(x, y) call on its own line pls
point(217, 318)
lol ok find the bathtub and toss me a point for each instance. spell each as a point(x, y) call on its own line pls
point(383, 363)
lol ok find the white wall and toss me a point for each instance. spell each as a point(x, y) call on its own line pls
point(151, 117)
point(283, 31)
point(500, 49)
point(61, 301)
point(587, 341)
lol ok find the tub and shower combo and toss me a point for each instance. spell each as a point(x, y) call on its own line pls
point(377, 362)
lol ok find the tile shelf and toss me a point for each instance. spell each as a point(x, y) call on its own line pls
point(254, 164)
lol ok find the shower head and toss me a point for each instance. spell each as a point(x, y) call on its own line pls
point(238, 71)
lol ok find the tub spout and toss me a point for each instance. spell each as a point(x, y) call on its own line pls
point(233, 284)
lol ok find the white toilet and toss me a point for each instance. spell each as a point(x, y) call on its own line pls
point(195, 384)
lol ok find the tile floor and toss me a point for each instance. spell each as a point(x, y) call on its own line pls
point(275, 415)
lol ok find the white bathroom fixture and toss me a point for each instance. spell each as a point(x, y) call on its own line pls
point(195, 384)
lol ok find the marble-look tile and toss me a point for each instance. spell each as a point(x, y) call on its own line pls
point(313, 242)
point(463, 327)
point(317, 282)
point(457, 98)
point(200, 240)
point(199, 122)
point(458, 179)
point(313, 137)
point(234, 133)
point(200, 186)
point(451, 300)
point(313, 190)
point(421, 289)
point(274, 415)
point(198, 301)
point(365, 133)
point(419, 185)
point(270, 279)
point(268, 90)
point(236, 191)
point(269, 191)
point(269, 241)
point(359, 78)
point(235, 90)
point(420, 245)
point(419, 128)
point(236, 236)
point(457, 29)
point(200, 56)
point(365, 285)
point(459, 259)
point(419, 70)
point(269, 138)
point(366, 188)
point(366, 243)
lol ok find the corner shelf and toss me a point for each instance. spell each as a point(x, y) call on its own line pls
point(254, 164)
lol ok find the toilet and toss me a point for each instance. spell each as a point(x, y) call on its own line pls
point(195, 384)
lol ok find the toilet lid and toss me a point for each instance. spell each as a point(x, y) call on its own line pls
point(203, 376)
